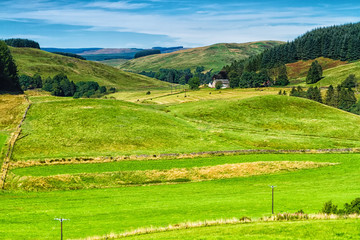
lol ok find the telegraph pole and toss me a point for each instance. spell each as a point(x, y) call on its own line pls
point(272, 205)
point(61, 224)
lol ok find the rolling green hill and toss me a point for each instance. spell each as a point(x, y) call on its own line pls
point(31, 61)
point(116, 128)
point(334, 71)
point(211, 57)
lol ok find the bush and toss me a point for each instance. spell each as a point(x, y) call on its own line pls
point(329, 208)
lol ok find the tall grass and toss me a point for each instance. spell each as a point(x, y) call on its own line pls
point(174, 175)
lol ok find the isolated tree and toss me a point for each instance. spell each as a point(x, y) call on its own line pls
point(314, 73)
point(218, 84)
point(194, 83)
point(9, 80)
point(282, 79)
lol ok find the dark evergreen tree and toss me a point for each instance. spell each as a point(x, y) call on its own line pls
point(9, 80)
point(282, 79)
point(331, 97)
point(349, 82)
point(314, 73)
point(346, 98)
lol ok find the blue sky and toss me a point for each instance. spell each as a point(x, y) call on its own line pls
point(149, 23)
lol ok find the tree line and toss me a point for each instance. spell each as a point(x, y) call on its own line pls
point(60, 85)
point(19, 42)
point(337, 42)
point(342, 96)
point(181, 76)
point(147, 52)
point(73, 55)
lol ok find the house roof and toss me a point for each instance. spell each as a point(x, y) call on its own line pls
point(221, 75)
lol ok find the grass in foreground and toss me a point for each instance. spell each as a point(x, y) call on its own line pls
point(314, 229)
point(102, 211)
point(12, 108)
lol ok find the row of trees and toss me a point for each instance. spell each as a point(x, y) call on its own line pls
point(342, 97)
point(147, 52)
point(73, 55)
point(9, 80)
point(60, 85)
point(19, 42)
point(27, 82)
point(181, 76)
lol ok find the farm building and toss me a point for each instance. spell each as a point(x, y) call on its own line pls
point(220, 77)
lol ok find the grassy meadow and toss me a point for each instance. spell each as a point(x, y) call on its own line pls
point(92, 127)
point(315, 229)
point(31, 61)
point(97, 212)
point(179, 96)
point(211, 57)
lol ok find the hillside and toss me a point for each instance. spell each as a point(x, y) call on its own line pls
point(211, 57)
point(32, 61)
point(270, 122)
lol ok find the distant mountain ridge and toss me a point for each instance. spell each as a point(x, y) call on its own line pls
point(101, 54)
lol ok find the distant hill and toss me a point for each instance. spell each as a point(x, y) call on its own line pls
point(104, 54)
point(70, 50)
point(32, 61)
point(211, 57)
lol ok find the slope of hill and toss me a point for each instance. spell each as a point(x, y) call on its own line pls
point(300, 69)
point(113, 128)
point(211, 57)
point(32, 61)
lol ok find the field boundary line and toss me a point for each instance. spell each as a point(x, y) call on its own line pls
point(281, 217)
point(164, 156)
point(13, 138)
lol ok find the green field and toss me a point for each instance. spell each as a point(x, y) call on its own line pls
point(179, 96)
point(31, 61)
point(316, 229)
point(102, 211)
point(91, 127)
point(211, 57)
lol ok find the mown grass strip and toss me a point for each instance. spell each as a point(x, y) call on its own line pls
point(175, 175)
point(194, 226)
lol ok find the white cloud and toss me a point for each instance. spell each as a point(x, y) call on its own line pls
point(117, 5)
point(196, 29)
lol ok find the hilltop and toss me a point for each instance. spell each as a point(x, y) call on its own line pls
point(211, 57)
point(31, 61)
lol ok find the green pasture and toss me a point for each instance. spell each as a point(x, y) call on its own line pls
point(315, 229)
point(87, 127)
point(31, 61)
point(133, 165)
point(102, 211)
point(178, 95)
point(92, 127)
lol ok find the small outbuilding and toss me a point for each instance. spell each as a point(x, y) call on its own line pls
point(220, 77)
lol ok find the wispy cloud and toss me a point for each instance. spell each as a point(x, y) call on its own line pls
point(117, 5)
point(205, 24)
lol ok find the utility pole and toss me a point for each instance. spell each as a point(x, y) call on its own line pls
point(272, 205)
point(61, 224)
